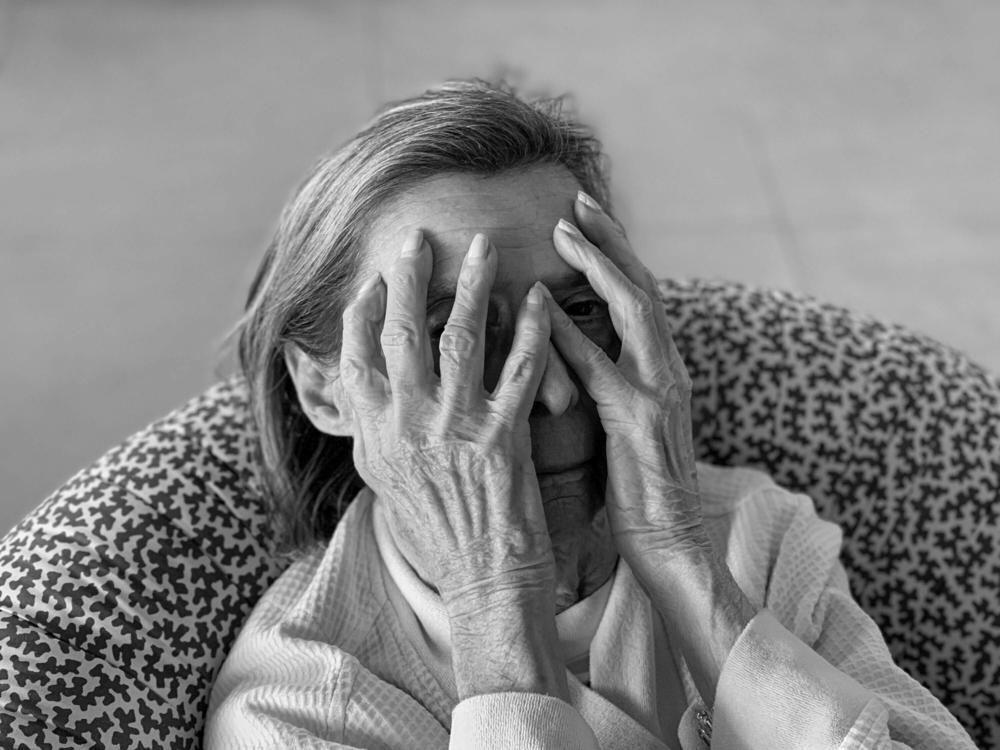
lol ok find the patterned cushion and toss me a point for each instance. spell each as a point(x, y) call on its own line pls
point(121, 594)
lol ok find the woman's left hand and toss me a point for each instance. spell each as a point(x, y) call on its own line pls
point(644, 402)
point(643, 399)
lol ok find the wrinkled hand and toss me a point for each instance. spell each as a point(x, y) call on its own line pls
point(643, 399)
point(450, 462)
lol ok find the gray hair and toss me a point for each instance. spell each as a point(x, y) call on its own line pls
point(311, 268)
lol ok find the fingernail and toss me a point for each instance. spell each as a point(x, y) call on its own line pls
point(569, 229)
point(588, 201)
point(535, 297)
point(413, 245)
point(480, 248)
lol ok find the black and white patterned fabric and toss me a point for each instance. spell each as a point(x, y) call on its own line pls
point(121, 594)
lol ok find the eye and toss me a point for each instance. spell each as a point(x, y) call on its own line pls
point(590, 313)
point(585, 307)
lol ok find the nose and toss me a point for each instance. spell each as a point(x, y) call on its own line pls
point(557, 393)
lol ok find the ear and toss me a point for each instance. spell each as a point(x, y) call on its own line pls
point(320, 393)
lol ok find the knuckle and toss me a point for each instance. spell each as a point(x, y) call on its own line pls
point(651, 282)
point(505, 418)
point(522, 365)
point(457, 341)
point(642, 305)
point(593, 358)
point(529, 345)
point(561, 321)
point(496, 431)
point(353, 370)
point(353, 316)
point(618, 230)
point(685, 383)
point(470, 282)
point(403, 278)
point(601, 260)
point(675, 394)
point(532, 331)
point(400, 333)
point(464, 322)
point(461, 335)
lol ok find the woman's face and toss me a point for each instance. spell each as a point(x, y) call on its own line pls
point(517, 210)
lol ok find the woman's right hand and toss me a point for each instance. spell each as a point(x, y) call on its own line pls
point(451, 462)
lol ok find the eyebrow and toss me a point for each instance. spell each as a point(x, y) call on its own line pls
point(438, 288)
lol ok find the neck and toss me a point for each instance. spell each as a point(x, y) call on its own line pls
point(585, 555)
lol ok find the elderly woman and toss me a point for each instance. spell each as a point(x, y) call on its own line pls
point(461, 372)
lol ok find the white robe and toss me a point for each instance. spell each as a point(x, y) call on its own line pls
point(348, 649)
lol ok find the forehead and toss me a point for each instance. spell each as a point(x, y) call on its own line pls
point(517, 210)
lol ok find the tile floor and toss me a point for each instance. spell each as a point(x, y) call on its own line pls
point(846, 149)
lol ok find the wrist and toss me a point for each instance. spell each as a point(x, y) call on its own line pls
point(526, 589)
point(685, 572)
point(701, 605)
point(656, 554)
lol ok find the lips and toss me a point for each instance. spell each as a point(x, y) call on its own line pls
point(564, 476)
point(572, 495)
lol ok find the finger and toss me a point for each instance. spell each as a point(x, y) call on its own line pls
point(677, 366)
point(632, 311)
point(599, 375)
point(361, 363)
point(405, 343)
point(462, 343)
point(525, 365)
point(609, 236)
point(602, 230)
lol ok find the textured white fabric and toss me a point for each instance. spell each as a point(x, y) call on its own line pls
point(331, 658)
point(519, 720)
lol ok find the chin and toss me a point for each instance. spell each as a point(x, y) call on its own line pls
point(585, 558)
point(580, 484)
